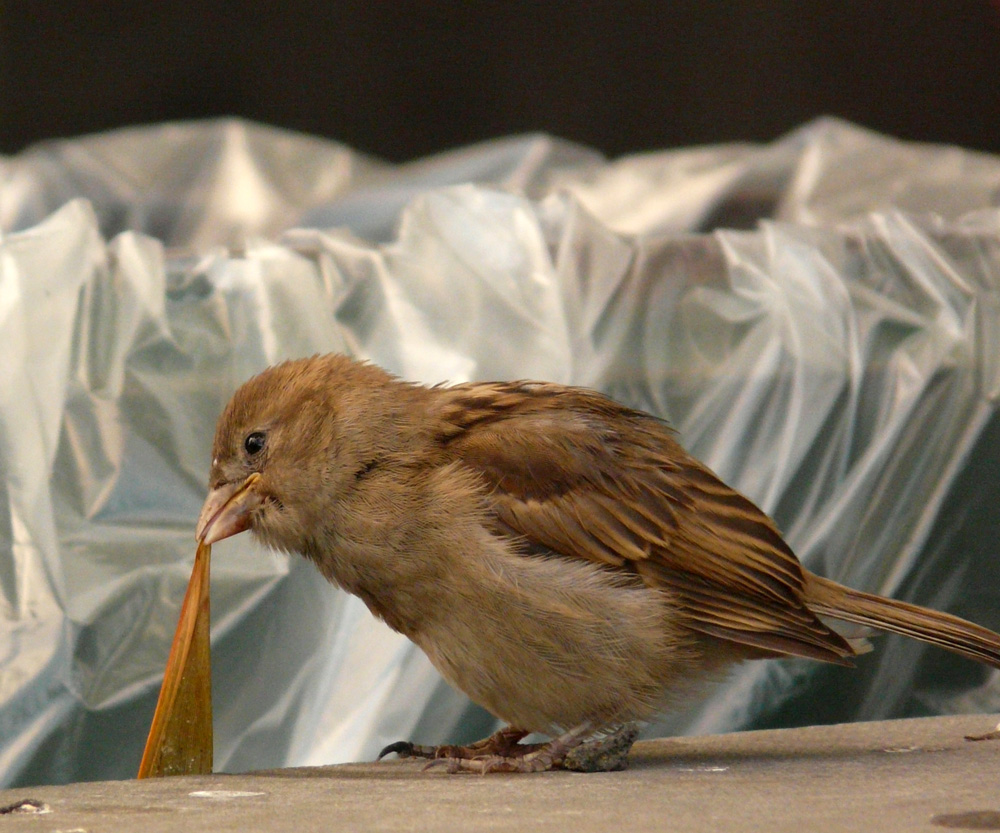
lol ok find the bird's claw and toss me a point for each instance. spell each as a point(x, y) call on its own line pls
point(406, 749)
point(402, 748)
point(502, 752)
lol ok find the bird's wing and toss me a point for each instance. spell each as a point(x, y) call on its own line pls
point(574, 473)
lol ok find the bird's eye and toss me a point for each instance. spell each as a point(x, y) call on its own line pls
point(254, 443)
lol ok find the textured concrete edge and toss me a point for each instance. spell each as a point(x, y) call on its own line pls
point(953, 731)
point(887, 776)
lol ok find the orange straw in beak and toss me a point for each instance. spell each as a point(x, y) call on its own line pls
point(180, 736)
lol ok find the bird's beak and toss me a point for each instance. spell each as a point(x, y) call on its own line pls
point(227, 510)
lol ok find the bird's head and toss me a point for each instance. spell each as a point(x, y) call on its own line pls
point(288, 443)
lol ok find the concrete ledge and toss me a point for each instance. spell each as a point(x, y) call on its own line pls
point(905, 775)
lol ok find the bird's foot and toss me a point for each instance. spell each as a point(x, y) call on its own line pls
point(537, 760)
point(568, 751)
point(503, 743)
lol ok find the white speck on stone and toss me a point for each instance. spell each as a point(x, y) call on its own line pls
point(29, 806)
point(223, 794)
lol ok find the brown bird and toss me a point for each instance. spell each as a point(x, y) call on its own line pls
point(558, 556)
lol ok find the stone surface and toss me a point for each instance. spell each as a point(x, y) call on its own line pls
point(906, 775)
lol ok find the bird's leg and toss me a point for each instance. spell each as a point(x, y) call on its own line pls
point(609, 753)
point(503, 743)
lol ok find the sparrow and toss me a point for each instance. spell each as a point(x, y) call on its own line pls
point(558, 556)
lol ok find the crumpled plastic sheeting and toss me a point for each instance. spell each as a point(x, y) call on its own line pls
point(838, 363)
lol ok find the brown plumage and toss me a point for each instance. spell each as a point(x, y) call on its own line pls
point(558, 556)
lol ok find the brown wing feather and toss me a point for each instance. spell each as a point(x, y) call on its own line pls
point(577, 474)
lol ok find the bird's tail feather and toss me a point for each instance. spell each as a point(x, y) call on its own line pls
point(831, 599)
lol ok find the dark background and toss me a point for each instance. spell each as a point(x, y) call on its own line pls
point(403, 79)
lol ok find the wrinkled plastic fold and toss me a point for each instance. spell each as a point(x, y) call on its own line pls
point(818, 317)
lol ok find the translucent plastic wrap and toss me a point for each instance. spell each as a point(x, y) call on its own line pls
point(839, 363)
